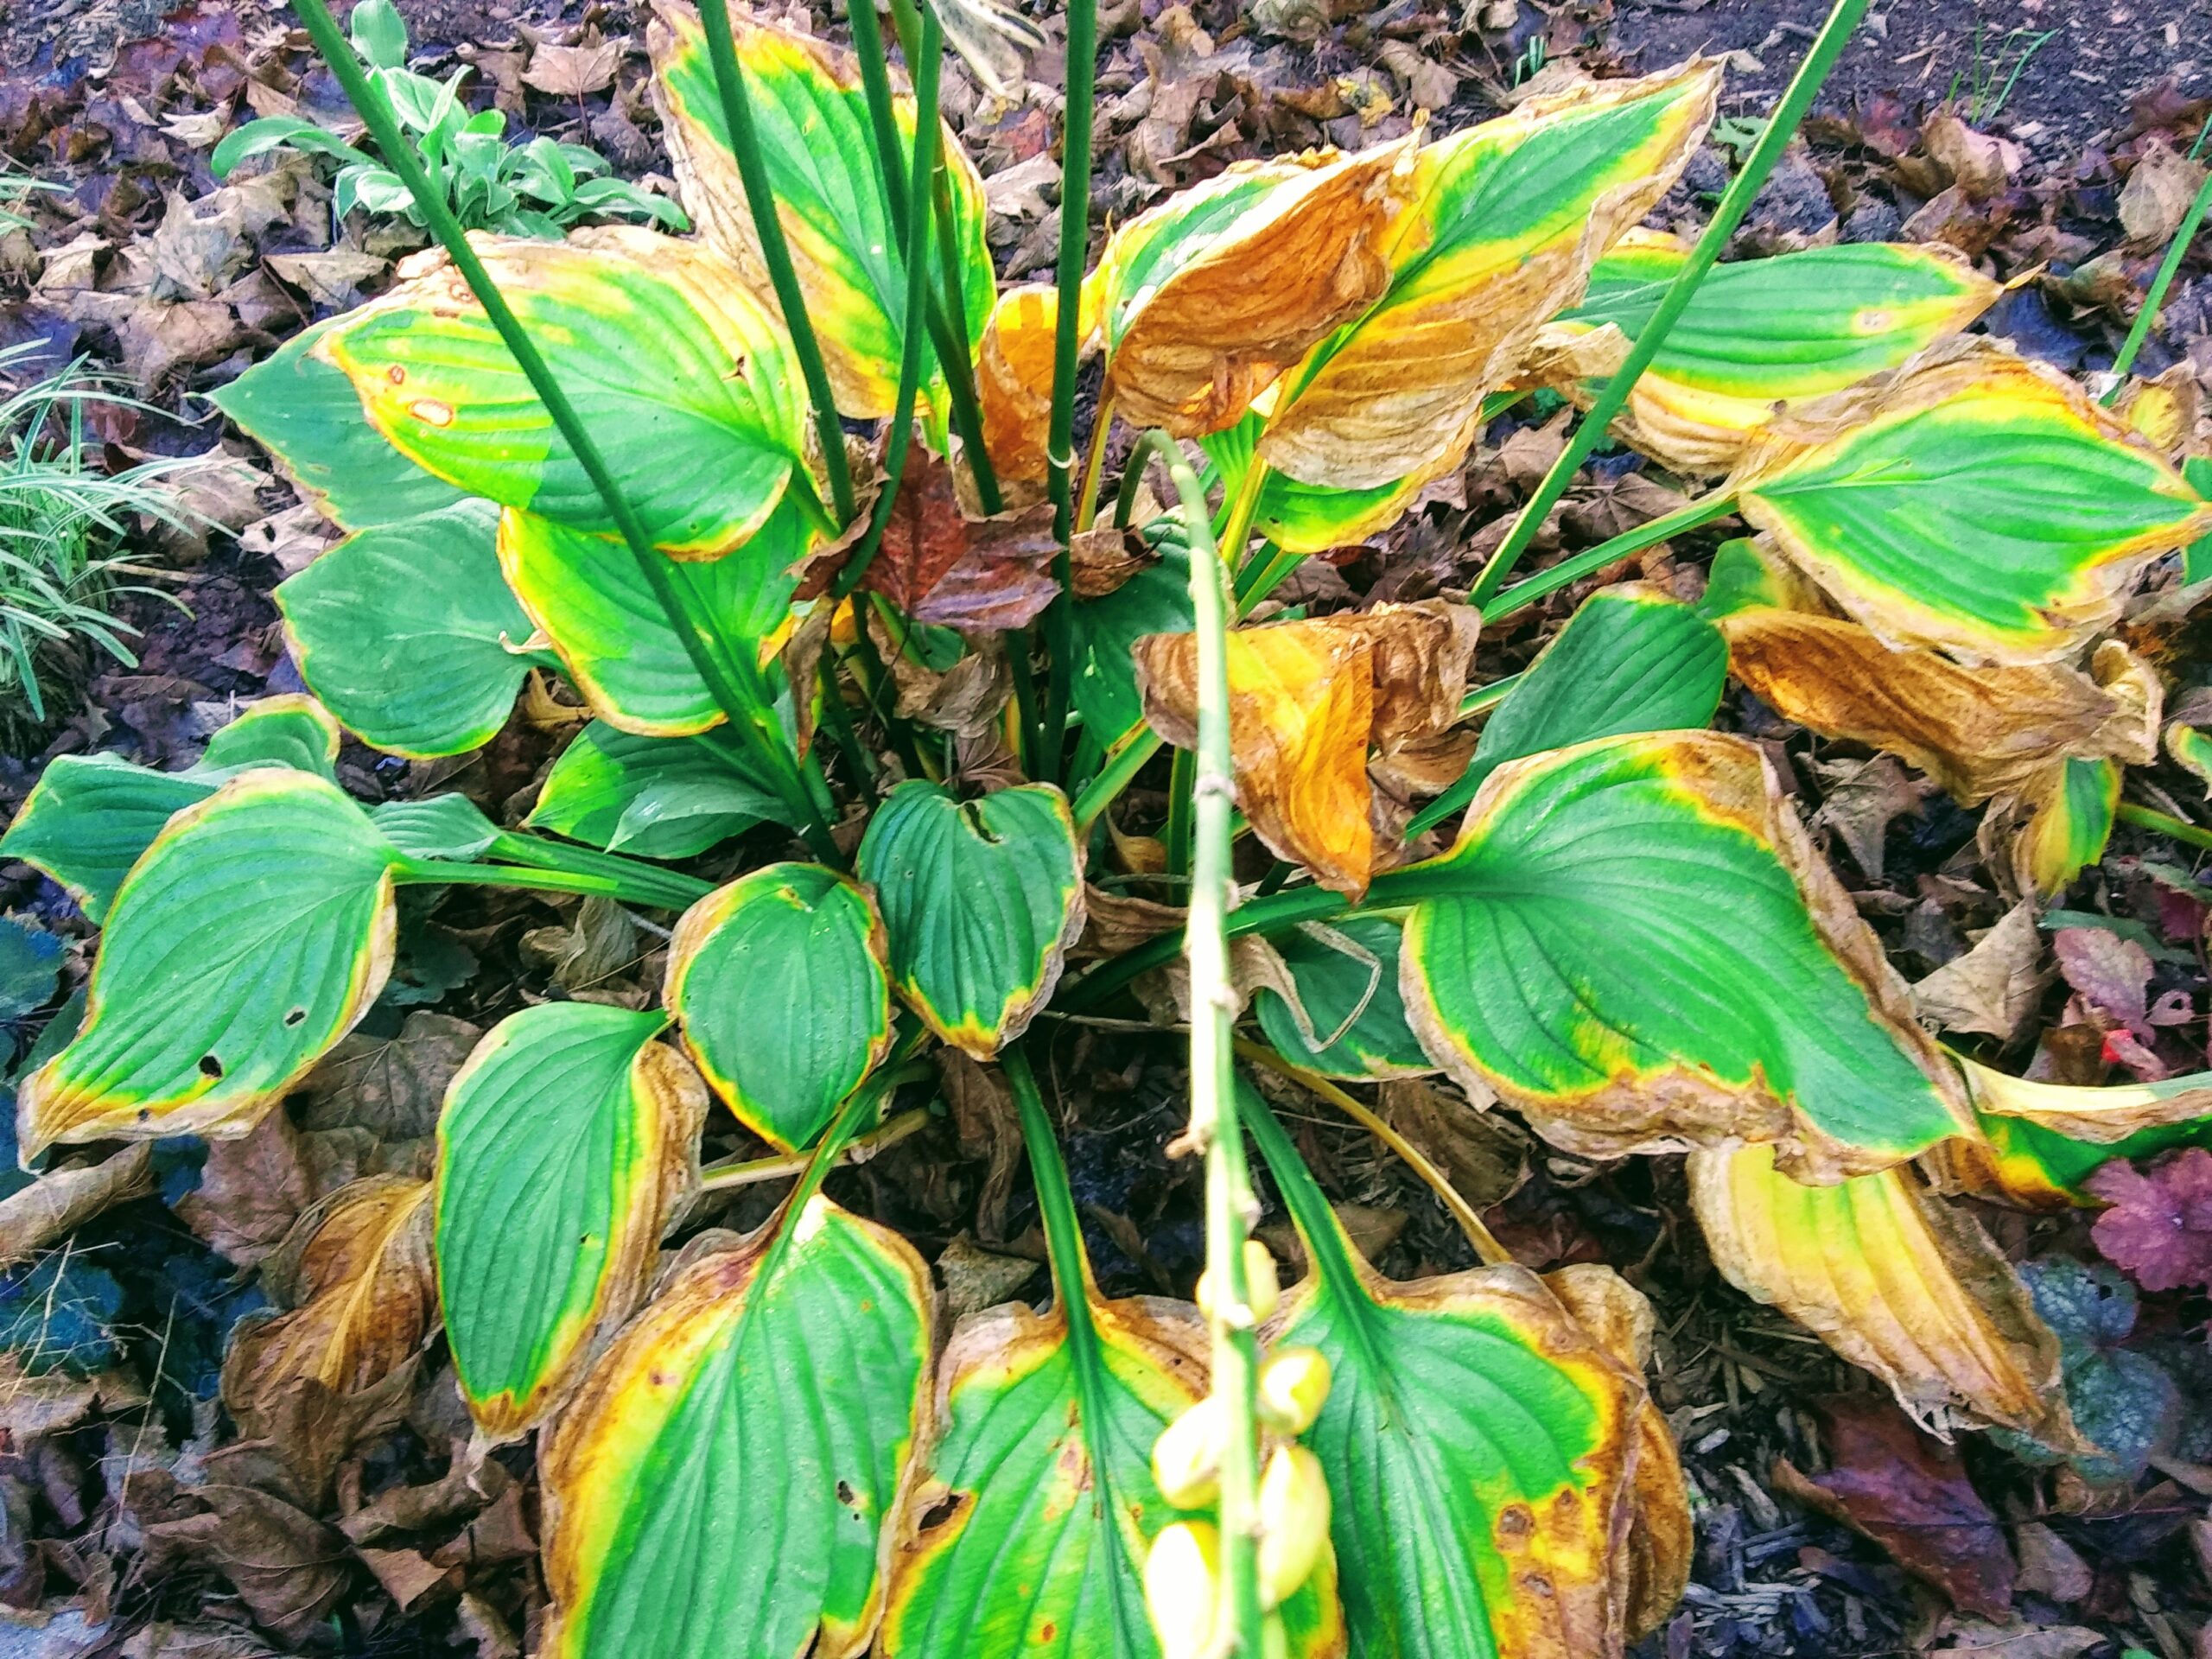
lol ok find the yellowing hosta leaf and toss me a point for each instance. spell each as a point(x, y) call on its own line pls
point(595, 607)
point(1684, 968)
point(779, 982)
point(980, 900)
point(2057, 825)
point(1209, 296)
point(365, 1302)
point(1014, 382)
point(2019, 1162)
point(1976, 731)
point(2191, 749)
point(2100, 1116)
point(686, 382)
point(1507, 219)
point(1300, 518)
point(1482, 1449)
point(1892, 1277)
point(1972, 501)
point(1306, 698)
point(89, 816)
point(718, 1488)
point(811, 116)
point(252, 934)
point(569, 1141)
point(1760, 332)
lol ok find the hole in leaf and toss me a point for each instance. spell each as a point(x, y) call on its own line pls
point(210, 1066)
point(844, 1491)
point(296, 1016)
point(943, 1510)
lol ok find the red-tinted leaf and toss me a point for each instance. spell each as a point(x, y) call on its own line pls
point(2159, 1227)
point(1910, 1495)
point(2111, 974)
point(938, 565)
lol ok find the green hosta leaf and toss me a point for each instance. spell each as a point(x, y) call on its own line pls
point(2196, 564)
point(441, 826)
point(686, 382)
point(1506, 221)
point(568, 1142)
point(1629, 659)
point(1301, 517)
point(593, 605)
point(1482, 1449)
point(811, 115)
point(718, 1488)
point(2035, 1168)
point(1976, 502)
point(409, 633)
point(1157, 600)
point(91, 816)
point(257, 929)
point(981, 899)
point(1683, 967)
point(1347, 977)
point(779, 982)
point(652, 797)
point(304, 413)
point(1760, 332)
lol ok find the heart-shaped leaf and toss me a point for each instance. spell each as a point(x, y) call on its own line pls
point(252, 934)
point(1506, 221)
point(1763, 332)
point(1974, 501)
point(568, 1141)
point(1684, 968)
point(1482, 1449)
point(719, 1487)
point(686, 382)
point(779, 982)
point(594, 606)
point(980, 901)
point(407, 632)
point(1893, 1278)
point(810, 114)
point(652, 797)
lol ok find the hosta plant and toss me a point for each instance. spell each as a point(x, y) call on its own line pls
point(917, 673)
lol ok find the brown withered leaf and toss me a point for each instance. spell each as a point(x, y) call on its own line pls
point(938, 565)
point(1896, 1279)
point(1014, 382)
point(1114, 922)
point(2158, 194)
point(983, 1117)
point(1979, 163)
point(1223, 325)
point(358, 1275)
point(251, 1190)
point(1486, 1155)
point(1863, 797)
point(1910, 1495)
point(393, 1085)
point(61, 1200)
point(1993, 988)
point(1976, 731)
point(1104, 558)
point(1306, 698)
point(575, 71)
point(288, 1569)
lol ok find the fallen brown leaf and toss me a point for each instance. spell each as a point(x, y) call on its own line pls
point(940, 566)
point(1995, 987)
point(62, 1200)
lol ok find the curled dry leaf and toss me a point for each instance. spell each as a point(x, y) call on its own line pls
point(1976, 731)
point(1894, 1278)
point(364, 1301)
point(1993, 988)
point(1306, 699)
point(1014, 382)
point(1202, 320)
point(1911, 1496)
point(63, 1199)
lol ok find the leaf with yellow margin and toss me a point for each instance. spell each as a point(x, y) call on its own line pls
point(1307, 700)
point(2037, 840)
point(1682, 968)
point(1894, 1278)
point(2019, 1162)
point(1978, 732)
point(1972, 501)
point(721, 1485)
point(1483, 1450)
point(568, 1141)
point(248, 938)
point(685, 381)
point(2100, 1116)
point(1208, 297)
point(1763, 332)
point(1014, 382)
point(1506, 221)
point(810, 113)
point(364, 1302)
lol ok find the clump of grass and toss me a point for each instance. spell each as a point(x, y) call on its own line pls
point(65, 525)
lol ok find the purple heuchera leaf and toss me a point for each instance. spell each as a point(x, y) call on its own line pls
point(2159, 1227)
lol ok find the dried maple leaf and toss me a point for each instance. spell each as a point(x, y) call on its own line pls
point(2159, 1227)
point(1910, 1495)
point(938, 565)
